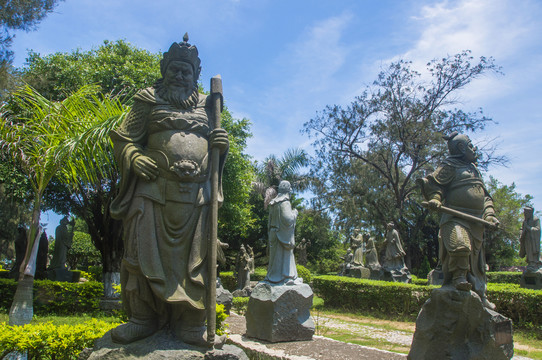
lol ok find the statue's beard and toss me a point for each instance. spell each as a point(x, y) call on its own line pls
point(180, 97)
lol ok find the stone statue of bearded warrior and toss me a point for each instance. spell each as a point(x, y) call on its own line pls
point(457, 184)
point(163, 150)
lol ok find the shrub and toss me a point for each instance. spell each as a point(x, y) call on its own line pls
point(374, 296)
point(54, 297)
point(303, 273)
point(96, 273)
point(221, 315)
point(47, 341)
point(228, 280)
point(259, 274)
point(504, 277)
point(240, 304)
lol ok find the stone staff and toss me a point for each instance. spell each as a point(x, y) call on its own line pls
point(217, 103)
point(461, 215)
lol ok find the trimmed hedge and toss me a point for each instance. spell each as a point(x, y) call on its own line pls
point(53, 297)
point(47, 341)
point(504, 277)
point(363, 294)
point(229, 281)
point(388, 298)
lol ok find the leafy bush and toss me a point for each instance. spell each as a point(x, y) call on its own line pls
point(239, 304)
point(303, 273)
point(228, 280)
point(53, 297)
point(397, 299)
point(47, 341)
point(221, 315)
point(504, 277)
point(259, 274)
point(96, 273)
point(374, 296)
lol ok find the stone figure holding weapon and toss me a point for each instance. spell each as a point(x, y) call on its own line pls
point(171, 152)
point(457, 191)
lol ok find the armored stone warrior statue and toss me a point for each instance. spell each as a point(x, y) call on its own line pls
point(457, 187)
point(163, 149)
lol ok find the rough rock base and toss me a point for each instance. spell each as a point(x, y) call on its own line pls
point(160, 346)
point(454, 325)
point(435, 277)
point(223, 296)
point(280, 313)
point(397, 275)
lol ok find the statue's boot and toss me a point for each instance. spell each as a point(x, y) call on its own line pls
point(458, 266)
point(190, 328)
point(142, 323)
point(132, 331)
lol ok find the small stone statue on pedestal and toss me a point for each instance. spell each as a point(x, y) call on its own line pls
point(278, 309)
point(530, 249)
point(302, 251)
point(371, 254)
point(242, 270)
point(347, 264)
point(57, 270)
point(394, 260)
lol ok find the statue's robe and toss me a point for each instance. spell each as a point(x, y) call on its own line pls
point(530, 241)
point(394, 251)
point(281, 227)
point(167, 220)
point(371, 256)
point(459, 185)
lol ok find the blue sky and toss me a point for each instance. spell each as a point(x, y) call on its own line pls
point(282, 61)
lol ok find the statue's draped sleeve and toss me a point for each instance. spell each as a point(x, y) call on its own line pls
point(433, 186)
point(128, 143)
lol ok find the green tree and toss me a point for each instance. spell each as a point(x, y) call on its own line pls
point(34, 137)
point(370, 152)
point(502, 245)
point(17, 15)
point(117, 67)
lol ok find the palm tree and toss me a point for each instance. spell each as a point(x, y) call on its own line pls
point(41, 136)
point(273, 170)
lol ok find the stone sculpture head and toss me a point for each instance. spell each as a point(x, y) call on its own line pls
point(461, 146)
point(180, 68)
point(285, 187)
point(390, 225)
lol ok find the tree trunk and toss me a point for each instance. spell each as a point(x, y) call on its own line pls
point(22, 308)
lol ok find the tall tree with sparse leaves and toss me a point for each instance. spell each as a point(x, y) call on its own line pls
point(370, 152)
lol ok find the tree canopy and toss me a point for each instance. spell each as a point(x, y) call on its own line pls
point(370, 152)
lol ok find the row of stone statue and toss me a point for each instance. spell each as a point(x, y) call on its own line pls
point(361, 259)
point(54, 268)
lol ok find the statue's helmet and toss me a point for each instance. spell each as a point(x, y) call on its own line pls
point(182, 51)
point(285, 187)
point(454, 139)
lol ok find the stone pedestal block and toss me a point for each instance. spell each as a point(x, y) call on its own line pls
point(360, 272)
point(397, 275)
point(454, 325)
point(160, 346)
point(223, 296)
point(280, 312)
point(435, 277)
point(531, 280)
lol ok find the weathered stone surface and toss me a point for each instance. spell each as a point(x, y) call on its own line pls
point(435, 277)
point(242, 292)
point(360, 272)
point(223, 296)
point(162, 345)
point(397, 275)
point(531, 280)
point(280, 312)
point(455, 325)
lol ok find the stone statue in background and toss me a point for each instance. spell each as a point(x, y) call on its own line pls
point(394, 258)
point(20, 250)
point(530, 240)
point(371, 254)
point(279, 306)
point(243, 268)
point(63, 242)
point(163, 149)
point(252, 259)
point(356, 243)
point(458, 185)
point(41, 259)
point(281, 228)
point(302, 251)
point(347, 264)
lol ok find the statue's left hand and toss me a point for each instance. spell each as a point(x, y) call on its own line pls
point(493, 220)
point(219, 138)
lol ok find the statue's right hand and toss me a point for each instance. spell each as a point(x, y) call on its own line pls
point(434, 204)
point(145, 168)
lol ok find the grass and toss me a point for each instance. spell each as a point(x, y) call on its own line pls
point(527, 342)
